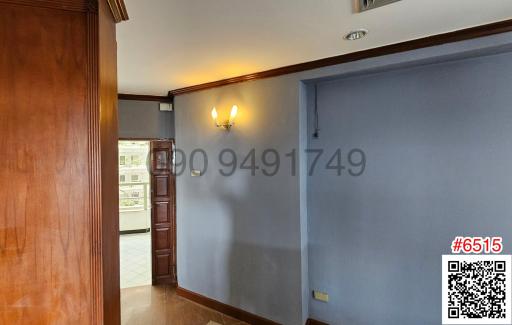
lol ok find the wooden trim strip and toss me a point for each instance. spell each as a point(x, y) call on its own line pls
point(223, 308)
point(94, 164)
point(311, 321)
point(144, 139)
point(69, 5)
point(456, 36)
point(148, 98)
point(118, 9)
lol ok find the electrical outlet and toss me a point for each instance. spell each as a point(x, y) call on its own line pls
point(321, 296)
point(372, 4)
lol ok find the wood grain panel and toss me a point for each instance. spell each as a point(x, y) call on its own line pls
point(161, 186)
point(162, 239)
point(162, 266)
point(163, 213)
point(94, 167)
point(45, 217)
point(161, 161)
point(58, 172)
point(108, 127)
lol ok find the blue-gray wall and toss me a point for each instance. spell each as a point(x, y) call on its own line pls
point(143, 119)
point(438, 142)
point(243, 240)
point(239, 237)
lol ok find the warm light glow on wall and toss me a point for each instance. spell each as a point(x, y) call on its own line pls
point(232, 115)
point(227, 124)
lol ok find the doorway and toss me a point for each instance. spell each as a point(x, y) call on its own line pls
point(146, 212)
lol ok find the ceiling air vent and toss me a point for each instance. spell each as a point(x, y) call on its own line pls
point(372, 4)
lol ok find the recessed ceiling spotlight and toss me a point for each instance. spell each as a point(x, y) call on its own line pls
point(356, 34)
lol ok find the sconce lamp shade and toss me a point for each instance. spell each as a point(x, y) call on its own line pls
point(234, 111)
point(214, 114)
point(228, 123)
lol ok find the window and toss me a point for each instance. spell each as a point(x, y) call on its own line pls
point(134, 186)
point(136, 160)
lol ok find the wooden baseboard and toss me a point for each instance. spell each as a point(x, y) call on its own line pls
point(315, 322)
point(168, 281)
point(223, 308)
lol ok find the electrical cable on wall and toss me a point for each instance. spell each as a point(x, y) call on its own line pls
point(317, 129)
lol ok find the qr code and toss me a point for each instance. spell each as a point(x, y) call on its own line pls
point(476, 289)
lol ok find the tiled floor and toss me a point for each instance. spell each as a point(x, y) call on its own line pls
point(159, 305)
point(135, 263)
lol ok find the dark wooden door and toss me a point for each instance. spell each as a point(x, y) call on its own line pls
point(163, 215)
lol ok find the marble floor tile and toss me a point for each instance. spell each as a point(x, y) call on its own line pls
point(135, 260)
point(161, 305)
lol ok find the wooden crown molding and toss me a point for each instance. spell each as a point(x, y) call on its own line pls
point(223, 308)
point(118, 9)
point(456, 36)
point(148, 98)
point(69, 5)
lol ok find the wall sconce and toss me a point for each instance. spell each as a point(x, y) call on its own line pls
point(226, 125)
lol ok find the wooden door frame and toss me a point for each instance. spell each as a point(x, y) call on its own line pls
point(173, 141)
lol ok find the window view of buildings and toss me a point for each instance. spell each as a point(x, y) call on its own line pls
point(134, 189)
point(134, 214)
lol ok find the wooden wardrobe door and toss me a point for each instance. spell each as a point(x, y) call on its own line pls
point(59, 249)
point(163, 216)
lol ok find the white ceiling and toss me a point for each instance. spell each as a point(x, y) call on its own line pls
point(169, 44)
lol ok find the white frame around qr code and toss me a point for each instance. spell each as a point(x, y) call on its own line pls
point(477, 258)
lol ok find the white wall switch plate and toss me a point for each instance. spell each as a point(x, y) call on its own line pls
point(166, 107)
point(321, 296)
